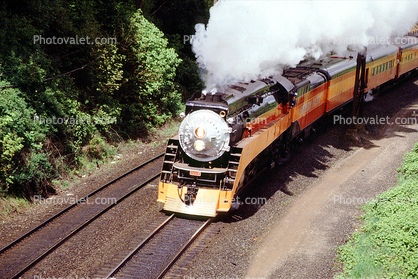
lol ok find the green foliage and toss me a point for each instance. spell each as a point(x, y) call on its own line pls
point(188, 78)
point(150, 90)
point(136, 84)
point(178, 18)
point(18, 134)
point(387, 245)
point(410, 166)
point(13, 204)
point(109, 69)
point(36, 174)
point(187, 14)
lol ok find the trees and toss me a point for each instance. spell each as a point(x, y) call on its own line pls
point(177, 19)
point(139, 82)
point(24, 165)
point(149, 93)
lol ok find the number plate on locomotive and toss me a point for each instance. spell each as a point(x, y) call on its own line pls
point(195, 173)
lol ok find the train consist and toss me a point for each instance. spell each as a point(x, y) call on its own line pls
point(227, 137)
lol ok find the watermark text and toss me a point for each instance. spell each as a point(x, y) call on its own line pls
point(39, 39)
point(376, 120)
point(68, 200)
point(74, 120)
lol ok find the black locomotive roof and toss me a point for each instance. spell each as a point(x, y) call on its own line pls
point(234, 97)
point(199, 100)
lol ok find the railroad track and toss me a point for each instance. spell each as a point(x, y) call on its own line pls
point(23, 253)
point(155, 255)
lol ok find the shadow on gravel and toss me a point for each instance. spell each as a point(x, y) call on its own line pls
point(312, 156)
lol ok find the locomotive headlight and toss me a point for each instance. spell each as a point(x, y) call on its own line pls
point(200, 132)
point(199, 145)
point(204, 135)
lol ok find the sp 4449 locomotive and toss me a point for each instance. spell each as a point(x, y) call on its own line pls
point(227, 137)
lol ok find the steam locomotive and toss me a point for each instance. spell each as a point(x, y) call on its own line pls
point(227, 137)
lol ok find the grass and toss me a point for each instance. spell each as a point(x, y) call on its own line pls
point(386, 246)
point(12, 205)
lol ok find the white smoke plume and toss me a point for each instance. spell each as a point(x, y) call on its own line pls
point(244, 39)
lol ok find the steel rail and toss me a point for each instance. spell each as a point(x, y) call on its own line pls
point(81, 200)
point(136, 249)
point(183, 249)
point(79, 228)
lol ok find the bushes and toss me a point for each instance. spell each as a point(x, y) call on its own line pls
point(150, 92)
point(19, 134)
point(35, 176)
point(387, 245)
point(131, 84)
point(137, 83)
point(410, 166)
point(32, 150)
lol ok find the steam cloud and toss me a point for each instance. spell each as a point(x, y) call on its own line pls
point(246, 39)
